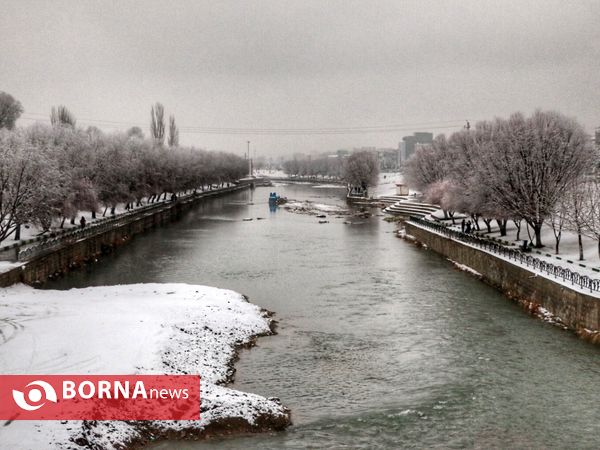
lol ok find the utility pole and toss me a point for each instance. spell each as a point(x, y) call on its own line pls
point(249, 161)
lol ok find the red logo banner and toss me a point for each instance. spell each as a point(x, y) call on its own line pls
point(99, 397)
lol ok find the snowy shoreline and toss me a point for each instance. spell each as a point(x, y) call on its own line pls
point(168, 328)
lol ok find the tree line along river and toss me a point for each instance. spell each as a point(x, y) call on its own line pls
point(381, 344)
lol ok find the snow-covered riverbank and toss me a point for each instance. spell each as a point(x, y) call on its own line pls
point(134, 329)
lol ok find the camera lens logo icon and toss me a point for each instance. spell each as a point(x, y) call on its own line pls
point(35, 397)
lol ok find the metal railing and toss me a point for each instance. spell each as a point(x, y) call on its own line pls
point(69, 236)
point(564, 273)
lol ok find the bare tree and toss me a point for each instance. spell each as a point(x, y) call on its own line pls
point(429, 164)
point(361, 170)
point(557, 220)
point(574, 204)
point(529, 162)
point(173, 132)
point(157, 123)
point(591, 206)
point(61, 116)
point(10, 110)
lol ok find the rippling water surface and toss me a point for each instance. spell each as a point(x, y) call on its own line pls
point(380, 344)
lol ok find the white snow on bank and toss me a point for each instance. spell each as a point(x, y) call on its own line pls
point(5, 266)
point(329, 186)
point(401, 233)
point(465, 268)
point(128, 329)
point(306, 206)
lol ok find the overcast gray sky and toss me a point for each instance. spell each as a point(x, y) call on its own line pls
point(414, 65)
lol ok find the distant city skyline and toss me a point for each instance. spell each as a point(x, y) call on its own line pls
point(308, 76)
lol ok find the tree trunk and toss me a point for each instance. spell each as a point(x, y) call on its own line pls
point(18, 232)
point(557, 236)
point(73, 220)
point(502, 226)
point(537, 228)
point(488, 224)
point(104, 213)
point(62, 222)
point(93, 214)
point(580, 242)
point(518, 225)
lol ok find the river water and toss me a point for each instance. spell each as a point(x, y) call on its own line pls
point(381, 344)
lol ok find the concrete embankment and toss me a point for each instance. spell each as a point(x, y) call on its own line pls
point(577, 310)
point(73, 251)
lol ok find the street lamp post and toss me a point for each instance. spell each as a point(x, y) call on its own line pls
point(249, 161)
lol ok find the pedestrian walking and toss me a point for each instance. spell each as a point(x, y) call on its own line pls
point(82, 222)
point(462, 226)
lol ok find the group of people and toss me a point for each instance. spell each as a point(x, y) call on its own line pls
point(466, 226)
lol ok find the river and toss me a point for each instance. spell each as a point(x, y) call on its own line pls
point(381, 344)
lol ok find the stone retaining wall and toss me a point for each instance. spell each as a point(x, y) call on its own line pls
point(73, 252)
point(576, 310)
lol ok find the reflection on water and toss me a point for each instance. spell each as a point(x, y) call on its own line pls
point(380, 344)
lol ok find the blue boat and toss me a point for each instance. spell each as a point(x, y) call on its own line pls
point(273, 197)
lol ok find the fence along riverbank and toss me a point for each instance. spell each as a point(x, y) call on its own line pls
point(61, 252)
point(574, 301)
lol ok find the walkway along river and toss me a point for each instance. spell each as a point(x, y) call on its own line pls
point(381, 343)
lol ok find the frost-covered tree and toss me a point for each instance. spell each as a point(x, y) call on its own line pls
point(157, 123)
point(429, 164)
point(135, 132)
point(591, 207)
point(528, 162)
point(10, 110)
point(573, 203)
point(61, 116)
point(361, 170)
point(173, 133)
point(515, 169)
point(557, 220)
point(94, 132)
point(52, 173)
point(27, 180)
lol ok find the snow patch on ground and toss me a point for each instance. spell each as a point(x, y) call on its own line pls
point(130, 329)
point(5, 266)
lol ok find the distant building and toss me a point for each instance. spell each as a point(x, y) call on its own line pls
point(409, 144)
point(401, 153)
